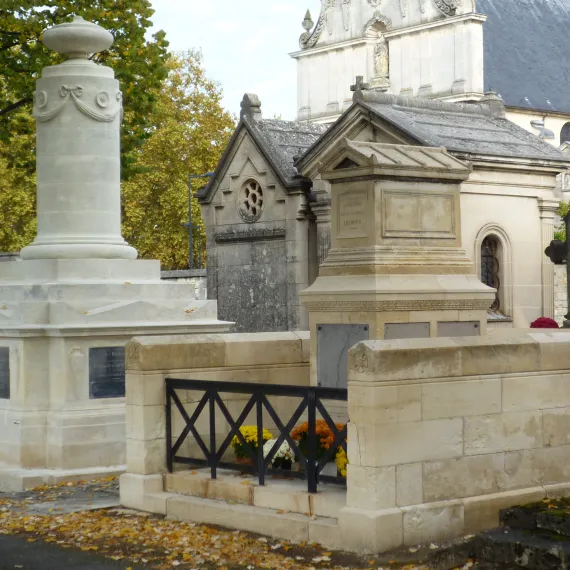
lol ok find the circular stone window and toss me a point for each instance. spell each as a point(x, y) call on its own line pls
point(250, 204)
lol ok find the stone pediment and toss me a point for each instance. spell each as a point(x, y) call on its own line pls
point(355, 158)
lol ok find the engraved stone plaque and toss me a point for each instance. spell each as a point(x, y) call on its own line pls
point(107, 372)
point(468, 328)
point(333, 344)
point(395, 331)
point(4, 373)
point(352, 215)
point(418, 215)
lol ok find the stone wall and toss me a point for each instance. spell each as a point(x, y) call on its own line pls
point(560, 293)
point(446, 432)
point(195, 276)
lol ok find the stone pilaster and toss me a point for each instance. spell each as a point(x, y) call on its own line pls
point(547, 216)
point(322, 210)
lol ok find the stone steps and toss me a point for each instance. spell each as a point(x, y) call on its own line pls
point(536, 537)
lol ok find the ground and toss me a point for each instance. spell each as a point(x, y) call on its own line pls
point(81, 526)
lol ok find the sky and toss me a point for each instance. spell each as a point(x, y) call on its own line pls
point(245, 44)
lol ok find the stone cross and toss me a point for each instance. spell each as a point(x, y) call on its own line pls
point(559, 253)
point(360, 85)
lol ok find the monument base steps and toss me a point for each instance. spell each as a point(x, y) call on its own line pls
point(14, 480)
point(278, 510)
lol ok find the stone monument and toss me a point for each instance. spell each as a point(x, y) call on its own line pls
point(396, 268)
point(79, 294)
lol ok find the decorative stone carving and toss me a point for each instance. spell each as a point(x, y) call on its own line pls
point(309, 39)
point(329, 7)
point(375, 3)
point(377, 18)
point(403, 305)
point(423, 6)
point(404, 7)
point(250, 201)
point(447, 7)
point(381, 58)
point(346, 14)
point(75, 93)
point(251, 235)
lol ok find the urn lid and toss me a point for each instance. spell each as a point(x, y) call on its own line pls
point(78, 39)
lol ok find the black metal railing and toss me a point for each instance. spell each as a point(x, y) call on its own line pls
point(311, 400)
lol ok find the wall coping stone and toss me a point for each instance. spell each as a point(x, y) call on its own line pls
point(500, 352)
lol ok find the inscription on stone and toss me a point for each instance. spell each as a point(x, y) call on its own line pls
point(4, 373)
point(107, 372)
point(352, 215)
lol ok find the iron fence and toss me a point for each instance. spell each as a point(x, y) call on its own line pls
point(311, 457)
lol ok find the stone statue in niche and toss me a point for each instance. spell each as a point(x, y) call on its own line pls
point(381, 78)
point(381, 58)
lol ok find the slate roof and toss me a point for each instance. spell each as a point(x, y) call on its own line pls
point(463, 128)
point(281, 142)
point(527, 47)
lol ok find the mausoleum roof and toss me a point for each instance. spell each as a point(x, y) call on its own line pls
point(465, 128)
point(526, 45)
point(280, 142)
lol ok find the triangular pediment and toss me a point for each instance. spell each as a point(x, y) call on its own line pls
point(357, 124)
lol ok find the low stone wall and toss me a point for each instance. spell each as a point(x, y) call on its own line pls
point(269, 358)
point(560, 293)
point(446, 432)
point(195, 276)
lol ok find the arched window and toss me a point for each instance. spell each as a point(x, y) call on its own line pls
point(565, 133)
point(494, 265)
point(491, 268)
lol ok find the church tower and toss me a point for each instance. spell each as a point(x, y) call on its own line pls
point(425, 48)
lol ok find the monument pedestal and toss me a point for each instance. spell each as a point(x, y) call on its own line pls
point(63, 328)
point(78, 296)
point(396, 268)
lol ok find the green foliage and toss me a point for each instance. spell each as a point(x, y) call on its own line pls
point(563, 210)
point(190, 132)
point(139, 64)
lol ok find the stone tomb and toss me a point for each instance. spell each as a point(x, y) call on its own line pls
point(79, 295)
point(396, 267)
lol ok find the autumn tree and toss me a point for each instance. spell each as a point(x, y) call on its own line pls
point(139, 63)
point(190, 132)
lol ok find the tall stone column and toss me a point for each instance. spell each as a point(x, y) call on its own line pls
point(78, 111)
point(547, 217)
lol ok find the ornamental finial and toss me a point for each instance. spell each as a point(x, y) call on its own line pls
point(78, 39)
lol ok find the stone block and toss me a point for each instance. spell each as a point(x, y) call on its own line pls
point(188, 483)
point(462, 477)
point(395, 444)
point(145, 389)
point(231, 491)
point(385, 404)
point(557, 491)
point(503, 432)
point(452, 399)
point(370, 532)
point(371, 488)
point(536, 392)
point(146, 457)
point(533, 467)
point(324, 531)
point(556, 426)
point(409, 484)
point(145, 422)
point(482, 513)
point(283, 496)
point(554, 349)
point(288, 526)
point(403, 360)
point(134, 488)
point(432, 522)
point(328, 502)
point(263, 348)
point(505, 355)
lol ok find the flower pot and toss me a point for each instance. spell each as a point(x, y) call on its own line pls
point(244, 461)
